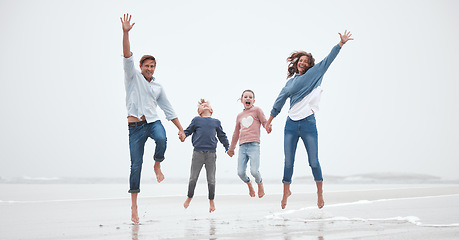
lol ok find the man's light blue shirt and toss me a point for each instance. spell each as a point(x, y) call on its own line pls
point(142, 97)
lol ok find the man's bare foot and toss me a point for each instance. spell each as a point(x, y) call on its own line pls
point(134, 215)
point(251, 190)
point(261, 190)
point(212, 206)
point(320, 200)
point(287, 194)
point(159, 174)
point(187, 202)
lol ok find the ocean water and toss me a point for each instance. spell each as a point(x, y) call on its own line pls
point(353, 211)
point(429, 211)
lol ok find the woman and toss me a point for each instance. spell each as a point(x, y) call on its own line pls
point(303, 89)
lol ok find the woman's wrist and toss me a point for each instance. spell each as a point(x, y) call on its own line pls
point(343, 42)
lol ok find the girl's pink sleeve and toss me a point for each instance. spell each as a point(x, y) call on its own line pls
point(262, 117)
point(235, 135)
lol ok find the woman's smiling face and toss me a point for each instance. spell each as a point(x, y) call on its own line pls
point(302, 64)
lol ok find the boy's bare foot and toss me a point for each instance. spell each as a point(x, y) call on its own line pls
point(187, 202)
point(159, 174)
point(287, 194)
point(320, 200)
point(134, 215)
point(261, 190)
point(251, 190)
point(212, 206)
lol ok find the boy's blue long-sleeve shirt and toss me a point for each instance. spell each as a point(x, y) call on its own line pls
point(204, 130)
point(300, 86)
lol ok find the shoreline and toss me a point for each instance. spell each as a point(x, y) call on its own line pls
point(428, 212)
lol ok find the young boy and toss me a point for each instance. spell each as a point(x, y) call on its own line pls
point(204, 128)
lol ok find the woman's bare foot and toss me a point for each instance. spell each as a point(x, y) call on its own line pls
point(212, 206)
point(320, 200)
point(287, 194)
point(320, 197)
point(134, 215)
point(261, 190)
point(159, 174)
point(187, 202)
point(251, 190)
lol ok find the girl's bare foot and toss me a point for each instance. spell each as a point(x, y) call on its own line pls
point(320, 200)
point(261, 190)
point(251, 190)
point(134, 215)
point(287, 194)
point(187, 202)
point(212, 206)
point(159, 174)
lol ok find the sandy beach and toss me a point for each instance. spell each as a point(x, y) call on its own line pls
point(102, 211)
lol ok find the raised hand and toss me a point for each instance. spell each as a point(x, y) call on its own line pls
point(126, 22)
point(345, 37)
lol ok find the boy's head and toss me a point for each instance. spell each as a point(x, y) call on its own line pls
point(204, 106)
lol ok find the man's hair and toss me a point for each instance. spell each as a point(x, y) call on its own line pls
point(147, 57)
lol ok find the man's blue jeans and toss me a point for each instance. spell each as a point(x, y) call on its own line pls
point(306, 130)
point(138, 135)
point(249, 151)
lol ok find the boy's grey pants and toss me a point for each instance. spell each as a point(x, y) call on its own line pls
point(203, 158)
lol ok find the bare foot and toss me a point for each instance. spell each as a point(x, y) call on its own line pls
point(261, 190)
point(187, 202)
point(287, 194)
point(320, 200)
point(212, 206)
point(251, 190)
point(159, 174)
point(134, 215)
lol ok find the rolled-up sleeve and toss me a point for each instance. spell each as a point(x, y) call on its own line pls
point(165, 105)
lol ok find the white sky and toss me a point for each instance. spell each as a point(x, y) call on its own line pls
point(390, 100)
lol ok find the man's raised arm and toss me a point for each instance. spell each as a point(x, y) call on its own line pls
point(127, 26)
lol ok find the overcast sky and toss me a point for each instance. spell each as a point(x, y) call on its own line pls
point(389, 103)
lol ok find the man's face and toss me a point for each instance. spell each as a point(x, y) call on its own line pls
point(148, 68)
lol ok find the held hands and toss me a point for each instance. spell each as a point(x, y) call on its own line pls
point(182, 136)
point(126, 22)
point(269, 128)
point(345, 37)
point(230, 153)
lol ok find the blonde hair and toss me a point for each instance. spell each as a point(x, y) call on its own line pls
point(202, 101)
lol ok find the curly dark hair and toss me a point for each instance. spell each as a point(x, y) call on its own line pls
point(293, 62)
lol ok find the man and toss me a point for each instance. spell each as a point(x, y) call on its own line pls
point(143, 95)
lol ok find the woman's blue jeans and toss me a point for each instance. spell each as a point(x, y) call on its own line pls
point(306, 130)
point(137, 137)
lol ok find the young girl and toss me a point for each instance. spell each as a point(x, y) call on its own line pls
point(247, 131)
